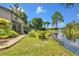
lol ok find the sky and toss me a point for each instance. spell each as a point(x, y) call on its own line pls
point(46, 10)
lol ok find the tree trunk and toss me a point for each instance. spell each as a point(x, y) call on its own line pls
point(56, 25)
point(47, 25)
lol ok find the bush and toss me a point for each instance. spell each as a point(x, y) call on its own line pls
point(5, 30)
point(3, 37)
point(6, 33)
point(12, 33)
point(32, 33)
point(42, 35)
point(3, 34)
point(4, 23)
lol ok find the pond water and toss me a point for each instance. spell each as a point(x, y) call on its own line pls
point(70, 42)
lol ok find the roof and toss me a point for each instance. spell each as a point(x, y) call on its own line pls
point(11, 11)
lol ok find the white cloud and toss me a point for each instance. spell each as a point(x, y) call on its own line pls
point(40, 10)
point(78, 16)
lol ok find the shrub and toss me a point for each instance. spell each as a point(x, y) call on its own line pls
point(12, 33)
point(6, 33)
point(3, 37)
point(3, 34)
point(5, 30)
point(42, 35)
point(32, 33)
point(4, 23)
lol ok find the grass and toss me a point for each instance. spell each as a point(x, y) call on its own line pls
point(32, 46)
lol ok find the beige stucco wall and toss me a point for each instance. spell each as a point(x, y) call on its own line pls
point(5, 14)
point(11, 16)
point(18, 19)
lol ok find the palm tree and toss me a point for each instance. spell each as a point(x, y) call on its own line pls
point(15, 8)
point(68, 5)
point(19, 11)
point(57, 17)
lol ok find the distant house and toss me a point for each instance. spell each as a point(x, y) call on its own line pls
point(17, 23)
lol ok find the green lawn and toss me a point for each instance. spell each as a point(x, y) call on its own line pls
point(31, 46)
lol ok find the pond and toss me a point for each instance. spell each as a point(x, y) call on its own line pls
point(69, 41)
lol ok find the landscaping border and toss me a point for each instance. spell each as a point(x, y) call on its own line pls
point(11, 42)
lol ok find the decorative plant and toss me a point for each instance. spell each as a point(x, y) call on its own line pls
point(5, 29)
point(42, 35)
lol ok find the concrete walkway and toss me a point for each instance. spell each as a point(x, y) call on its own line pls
point(11, 42)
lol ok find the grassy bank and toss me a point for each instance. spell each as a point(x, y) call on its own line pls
point(35, 47)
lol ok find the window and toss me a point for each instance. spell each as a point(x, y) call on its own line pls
point(15, 18)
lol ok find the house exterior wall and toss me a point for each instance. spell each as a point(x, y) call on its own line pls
point(9, 16)
point(19, 22)
point(5, 14)
point(12, 17)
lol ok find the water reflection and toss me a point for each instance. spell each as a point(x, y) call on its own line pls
point(55, 35)
point(71, 36)
point(69, 41)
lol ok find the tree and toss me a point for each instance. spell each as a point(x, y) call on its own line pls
point(72, 25)
point(19, 11)
point(57, 17)
point(46, 24)
point(15, 8)
point(67, 5)
point(37, 23)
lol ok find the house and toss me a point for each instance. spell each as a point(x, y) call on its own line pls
point(17, 23)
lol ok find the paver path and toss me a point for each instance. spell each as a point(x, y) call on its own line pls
point(11, 42)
